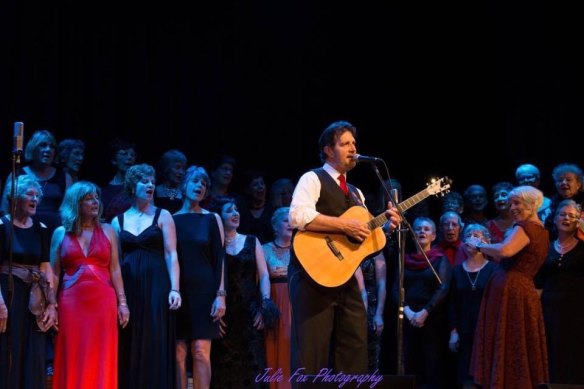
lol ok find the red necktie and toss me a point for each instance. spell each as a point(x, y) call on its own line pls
point(344, 186)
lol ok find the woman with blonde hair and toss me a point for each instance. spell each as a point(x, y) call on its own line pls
point(509, 349)
point(92, 300)
point(277, 255)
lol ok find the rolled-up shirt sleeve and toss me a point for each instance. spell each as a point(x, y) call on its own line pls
point(303, 205)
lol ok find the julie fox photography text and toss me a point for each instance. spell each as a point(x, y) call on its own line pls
point(325, 375)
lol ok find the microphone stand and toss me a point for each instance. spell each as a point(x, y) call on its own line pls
point(401, 249)
point(10, 291)
point(13, 179)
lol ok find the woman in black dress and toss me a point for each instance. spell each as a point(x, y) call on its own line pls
point(201, 259)
point(240, 356)
point(147, 235)
point(466, 292)
point(562, 280)
point(22, 335)
point(425, 308)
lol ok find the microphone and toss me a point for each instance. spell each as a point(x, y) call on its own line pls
point(18, 137)
point(364, 158)
point(395, 196)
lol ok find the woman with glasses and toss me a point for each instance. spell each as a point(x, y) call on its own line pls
point(22, 335)
point(569, 182)
point(562, 280)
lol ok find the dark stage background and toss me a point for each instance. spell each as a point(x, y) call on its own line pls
point(261, 79)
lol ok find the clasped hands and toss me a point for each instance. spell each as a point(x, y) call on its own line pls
point(416, 319)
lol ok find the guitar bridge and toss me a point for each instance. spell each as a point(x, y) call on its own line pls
point(331, 245)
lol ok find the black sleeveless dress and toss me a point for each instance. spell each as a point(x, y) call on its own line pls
point(147, 354)
point(200, 256)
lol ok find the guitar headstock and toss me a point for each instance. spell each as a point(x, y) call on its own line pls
point(439, 186)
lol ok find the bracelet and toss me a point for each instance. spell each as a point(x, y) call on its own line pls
point(176, 291)
point(221, 293)
point(478, 247)
point(123, 305)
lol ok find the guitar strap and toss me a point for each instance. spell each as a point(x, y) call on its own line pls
point(355, 196)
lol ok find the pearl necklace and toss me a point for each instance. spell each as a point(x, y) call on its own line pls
point(230, 239)
point(563, 249)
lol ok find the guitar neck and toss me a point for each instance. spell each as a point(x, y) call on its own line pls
point(381, 219)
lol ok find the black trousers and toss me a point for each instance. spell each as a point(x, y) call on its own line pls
point(329, 326)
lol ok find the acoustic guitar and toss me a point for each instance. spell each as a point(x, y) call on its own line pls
point(331, 258)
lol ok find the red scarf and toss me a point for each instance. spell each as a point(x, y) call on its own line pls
point(416, 261)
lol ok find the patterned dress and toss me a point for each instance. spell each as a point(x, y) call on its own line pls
point(510, 346)
point(240, 355)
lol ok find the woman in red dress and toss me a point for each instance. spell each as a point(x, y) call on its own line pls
point(91, 300)
point(511, 319)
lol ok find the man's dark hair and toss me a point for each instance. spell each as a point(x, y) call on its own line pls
point(330, 135)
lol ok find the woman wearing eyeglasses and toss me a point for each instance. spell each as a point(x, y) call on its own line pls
point(22, 335)
point(561, 279)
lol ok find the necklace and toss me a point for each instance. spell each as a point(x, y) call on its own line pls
point(564, 248)
point(473, 284)
point(230, 239)
point(281, 247)
point(281, 253)
point(171, 193)
point(138, 212)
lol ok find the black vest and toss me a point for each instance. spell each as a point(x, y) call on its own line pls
point(332, 202)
